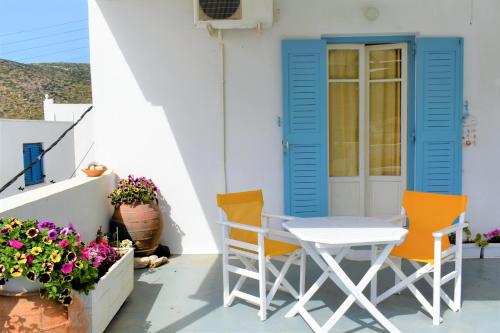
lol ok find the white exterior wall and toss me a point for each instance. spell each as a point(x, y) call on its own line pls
point(156, 93)
point(82, 201)
point(83, 133)
point(58, 164)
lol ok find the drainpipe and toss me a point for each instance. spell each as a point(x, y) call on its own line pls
point(223, 104)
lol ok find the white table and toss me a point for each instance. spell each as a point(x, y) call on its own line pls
point(319, 235)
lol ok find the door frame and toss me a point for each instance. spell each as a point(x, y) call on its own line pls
point(410, 40)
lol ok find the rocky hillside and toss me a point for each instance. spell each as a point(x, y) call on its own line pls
point(23, 86)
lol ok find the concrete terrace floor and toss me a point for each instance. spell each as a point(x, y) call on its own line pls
point(186, 296)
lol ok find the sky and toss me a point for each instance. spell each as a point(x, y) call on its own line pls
point(35, 31)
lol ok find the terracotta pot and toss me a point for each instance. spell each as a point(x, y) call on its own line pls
point(30, 313)
point(93, 172)
point(141, 223)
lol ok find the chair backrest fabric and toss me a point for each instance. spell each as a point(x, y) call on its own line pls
point(427, 213)
point(244, 208)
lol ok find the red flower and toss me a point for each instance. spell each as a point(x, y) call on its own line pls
point(63, 243)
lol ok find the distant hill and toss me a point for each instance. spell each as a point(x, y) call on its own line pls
point(23, 86)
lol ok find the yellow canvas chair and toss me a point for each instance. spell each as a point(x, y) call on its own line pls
point(249, 238)
point(430, 220)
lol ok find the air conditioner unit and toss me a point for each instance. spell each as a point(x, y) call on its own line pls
point(233, 14)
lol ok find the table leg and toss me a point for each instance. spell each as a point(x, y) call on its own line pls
point(356, 291)
point(373, 284)
point(319, 282)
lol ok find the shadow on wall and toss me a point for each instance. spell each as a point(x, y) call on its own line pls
point(173, 115)
point(169, 226)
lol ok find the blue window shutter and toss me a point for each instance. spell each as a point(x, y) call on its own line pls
point(35, 174)
point(439, 115)
point(28, 175)
point(305, 127)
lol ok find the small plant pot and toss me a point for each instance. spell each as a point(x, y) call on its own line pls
point(18, 287)
point(93, 172)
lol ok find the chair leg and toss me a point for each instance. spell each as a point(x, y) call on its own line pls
point(302, 280)
point(398, 263)
point(436, 288)
point(225, 272)
point(457, 297)
point(262, 279)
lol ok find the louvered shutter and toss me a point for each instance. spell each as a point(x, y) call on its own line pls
point(28, 175)
point(35, 174)
point(439, 115)
point(36, 150)
point(305, 127)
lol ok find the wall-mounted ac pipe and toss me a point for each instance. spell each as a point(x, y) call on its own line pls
point(223, 104)
point(222, 88)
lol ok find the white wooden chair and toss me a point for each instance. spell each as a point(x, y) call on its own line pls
point(249, 239)
point(427, 248)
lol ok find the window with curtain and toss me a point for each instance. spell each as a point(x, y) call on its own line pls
point(385, 112)
point(344, 84)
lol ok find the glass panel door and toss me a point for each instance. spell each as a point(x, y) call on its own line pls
point(345, 74)
point(367, 128)
point(386, 125)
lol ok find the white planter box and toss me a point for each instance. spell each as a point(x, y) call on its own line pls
point(105, 300)
point(492, 250)
point(470, 251)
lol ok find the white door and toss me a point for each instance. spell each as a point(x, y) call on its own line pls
point(367, 128)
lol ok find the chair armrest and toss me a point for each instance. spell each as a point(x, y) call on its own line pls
point(449, 230)
point(243, 227)
point(398, 218)
point(279, 217)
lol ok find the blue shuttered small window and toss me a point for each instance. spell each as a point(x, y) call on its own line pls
point(305, 127)
point(33, 175)
point(439, 115)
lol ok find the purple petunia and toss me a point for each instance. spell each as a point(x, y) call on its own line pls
point(52, 234)
point(46, 225)
point(16, 244)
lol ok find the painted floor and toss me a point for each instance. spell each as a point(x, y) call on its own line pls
point(186, 296)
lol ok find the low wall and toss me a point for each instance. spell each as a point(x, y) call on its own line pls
point(82, 201)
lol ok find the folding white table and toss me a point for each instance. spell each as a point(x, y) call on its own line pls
point(318, 236)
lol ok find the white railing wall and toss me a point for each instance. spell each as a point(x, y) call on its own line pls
point(82, 201)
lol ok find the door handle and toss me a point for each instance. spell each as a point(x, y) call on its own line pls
point(285, 146)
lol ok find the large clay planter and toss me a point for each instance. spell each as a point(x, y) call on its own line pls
point(141, 223)
point(30, 313)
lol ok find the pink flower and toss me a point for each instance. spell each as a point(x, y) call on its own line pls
point(63, 243)
point(67, 268)
point(29, 259)
point(16, 244)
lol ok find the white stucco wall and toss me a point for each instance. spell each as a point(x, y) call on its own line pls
point(58, 164)
point(83, 133)
point(156, 93)
point(81, 201)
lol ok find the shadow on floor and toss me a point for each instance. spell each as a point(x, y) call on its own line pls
point(186, 296)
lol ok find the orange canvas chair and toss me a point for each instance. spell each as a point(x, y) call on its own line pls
point(249, 238)
point(430, 220)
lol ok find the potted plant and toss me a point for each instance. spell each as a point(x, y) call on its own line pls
point(493, 239)
point(94, 169)
point(137, 215)
point(39, 259)
point(116, 281)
